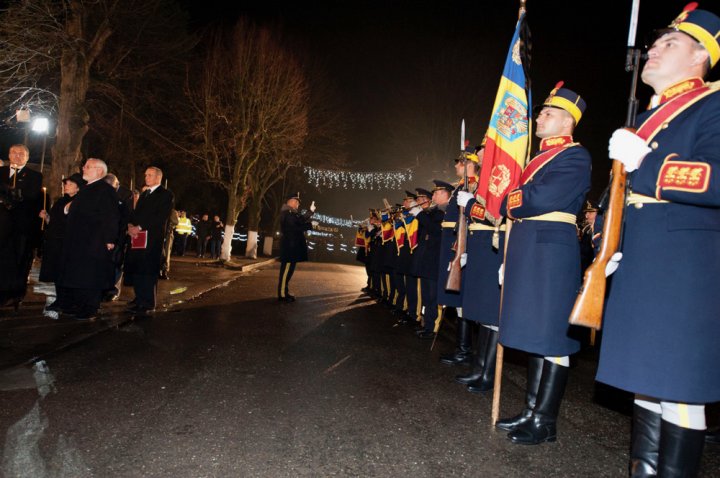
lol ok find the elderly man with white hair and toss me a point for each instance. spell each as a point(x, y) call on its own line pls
point(92, 227)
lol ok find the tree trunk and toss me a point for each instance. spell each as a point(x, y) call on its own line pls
point(254, 210)
point(233, 210)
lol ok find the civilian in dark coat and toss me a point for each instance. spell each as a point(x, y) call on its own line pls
point(92, 227)
point(142, 265)
point(293, 248)
point(54, 237)
point(23, 194)
point(203, 234)
point(125, 206)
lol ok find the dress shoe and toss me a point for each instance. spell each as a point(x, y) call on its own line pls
point(288, 298)
point(54, 307)
point(426, 334)
point(164, 276)
point(88, 316)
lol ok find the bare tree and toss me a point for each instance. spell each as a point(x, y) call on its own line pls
point(250, 102)
point(57, 56)
point(324, 146)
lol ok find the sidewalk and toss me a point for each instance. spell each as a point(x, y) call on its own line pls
point(30, 334)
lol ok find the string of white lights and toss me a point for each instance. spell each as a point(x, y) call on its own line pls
point(356, 179)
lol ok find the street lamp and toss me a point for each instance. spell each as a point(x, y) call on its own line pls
point(41, 125)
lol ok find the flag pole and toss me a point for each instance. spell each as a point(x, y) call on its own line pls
point(500, 353)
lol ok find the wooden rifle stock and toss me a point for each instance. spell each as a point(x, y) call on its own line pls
point(454, 279)
point(588, 308)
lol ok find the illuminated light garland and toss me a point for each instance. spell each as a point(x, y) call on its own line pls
point(357, 180)
point(334, 221)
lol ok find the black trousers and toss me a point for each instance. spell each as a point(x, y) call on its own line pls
point(411, 294)
point(399, 291)
point(286, 272)
point(145, 287)
point(83, 301)
point(429, 301)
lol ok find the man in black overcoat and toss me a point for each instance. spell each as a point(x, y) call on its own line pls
point(293, 247)
point(91, 230)
point(142, 264)
point(22, 192)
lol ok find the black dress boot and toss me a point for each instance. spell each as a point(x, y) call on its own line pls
point(645, 442)
point(487, 379)
point(680, 451)
point(535, 366)
point(463, 351)
point(478, 358)
point(541, 426)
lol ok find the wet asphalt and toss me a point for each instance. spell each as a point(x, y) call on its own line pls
point(235, 384)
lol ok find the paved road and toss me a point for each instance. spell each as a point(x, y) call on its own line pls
point(234, 384)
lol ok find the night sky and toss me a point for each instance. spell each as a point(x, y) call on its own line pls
point(397, 63)
point(377, 51)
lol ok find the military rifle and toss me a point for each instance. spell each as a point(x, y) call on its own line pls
point(454, 280)
point(588, 308)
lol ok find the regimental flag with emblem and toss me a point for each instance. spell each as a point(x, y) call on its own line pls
point(508, 135)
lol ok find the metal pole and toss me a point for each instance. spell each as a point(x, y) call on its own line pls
point(42, 158)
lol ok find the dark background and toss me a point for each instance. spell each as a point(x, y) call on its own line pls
point(381, 54)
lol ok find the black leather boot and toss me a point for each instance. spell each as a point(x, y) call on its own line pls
point(534, 372)
point(645, 442)
point(541, 426)
point(463, 351)
point(478, 358)
point(680, 451)
point(487, 379)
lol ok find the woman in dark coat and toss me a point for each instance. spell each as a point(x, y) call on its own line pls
point(55, 221)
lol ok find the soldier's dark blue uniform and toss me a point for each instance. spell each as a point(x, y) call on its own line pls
point(661, 325)
point(542, 266)
point(426, 259)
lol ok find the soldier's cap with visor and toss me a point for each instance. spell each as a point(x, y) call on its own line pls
point(77, 179)
point(295, 195)
point(591, 206)
point(410, 195)
point(443, 185)
point(567, 100)
point(423, 192)
point(470, 154)
point(701, 25)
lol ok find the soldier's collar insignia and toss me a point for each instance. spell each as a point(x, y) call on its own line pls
point(555, 142)
point(679, 88)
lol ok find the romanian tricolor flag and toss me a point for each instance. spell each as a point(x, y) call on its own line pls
point(411, 230)
point(508, 134)
point(361, 238)
point(399, 235)
point(387, 230)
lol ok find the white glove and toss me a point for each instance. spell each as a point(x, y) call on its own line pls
point(312, 206)
point(463, 259)
point(613, 264)
point(628, 148)
point(314, 223)
point(416, 210)
point(463, 198)
point(501, 274)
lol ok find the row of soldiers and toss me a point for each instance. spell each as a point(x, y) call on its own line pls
point(660, 322)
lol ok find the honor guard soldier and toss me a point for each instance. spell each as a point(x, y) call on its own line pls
point(426, 257)
point(481, 300)
point(542, 267)
point(374, 256)
point(590, 234)
point(293, 248)
point(660, 337)
point(465, 165)
point(406, 299)
point(388, 253)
